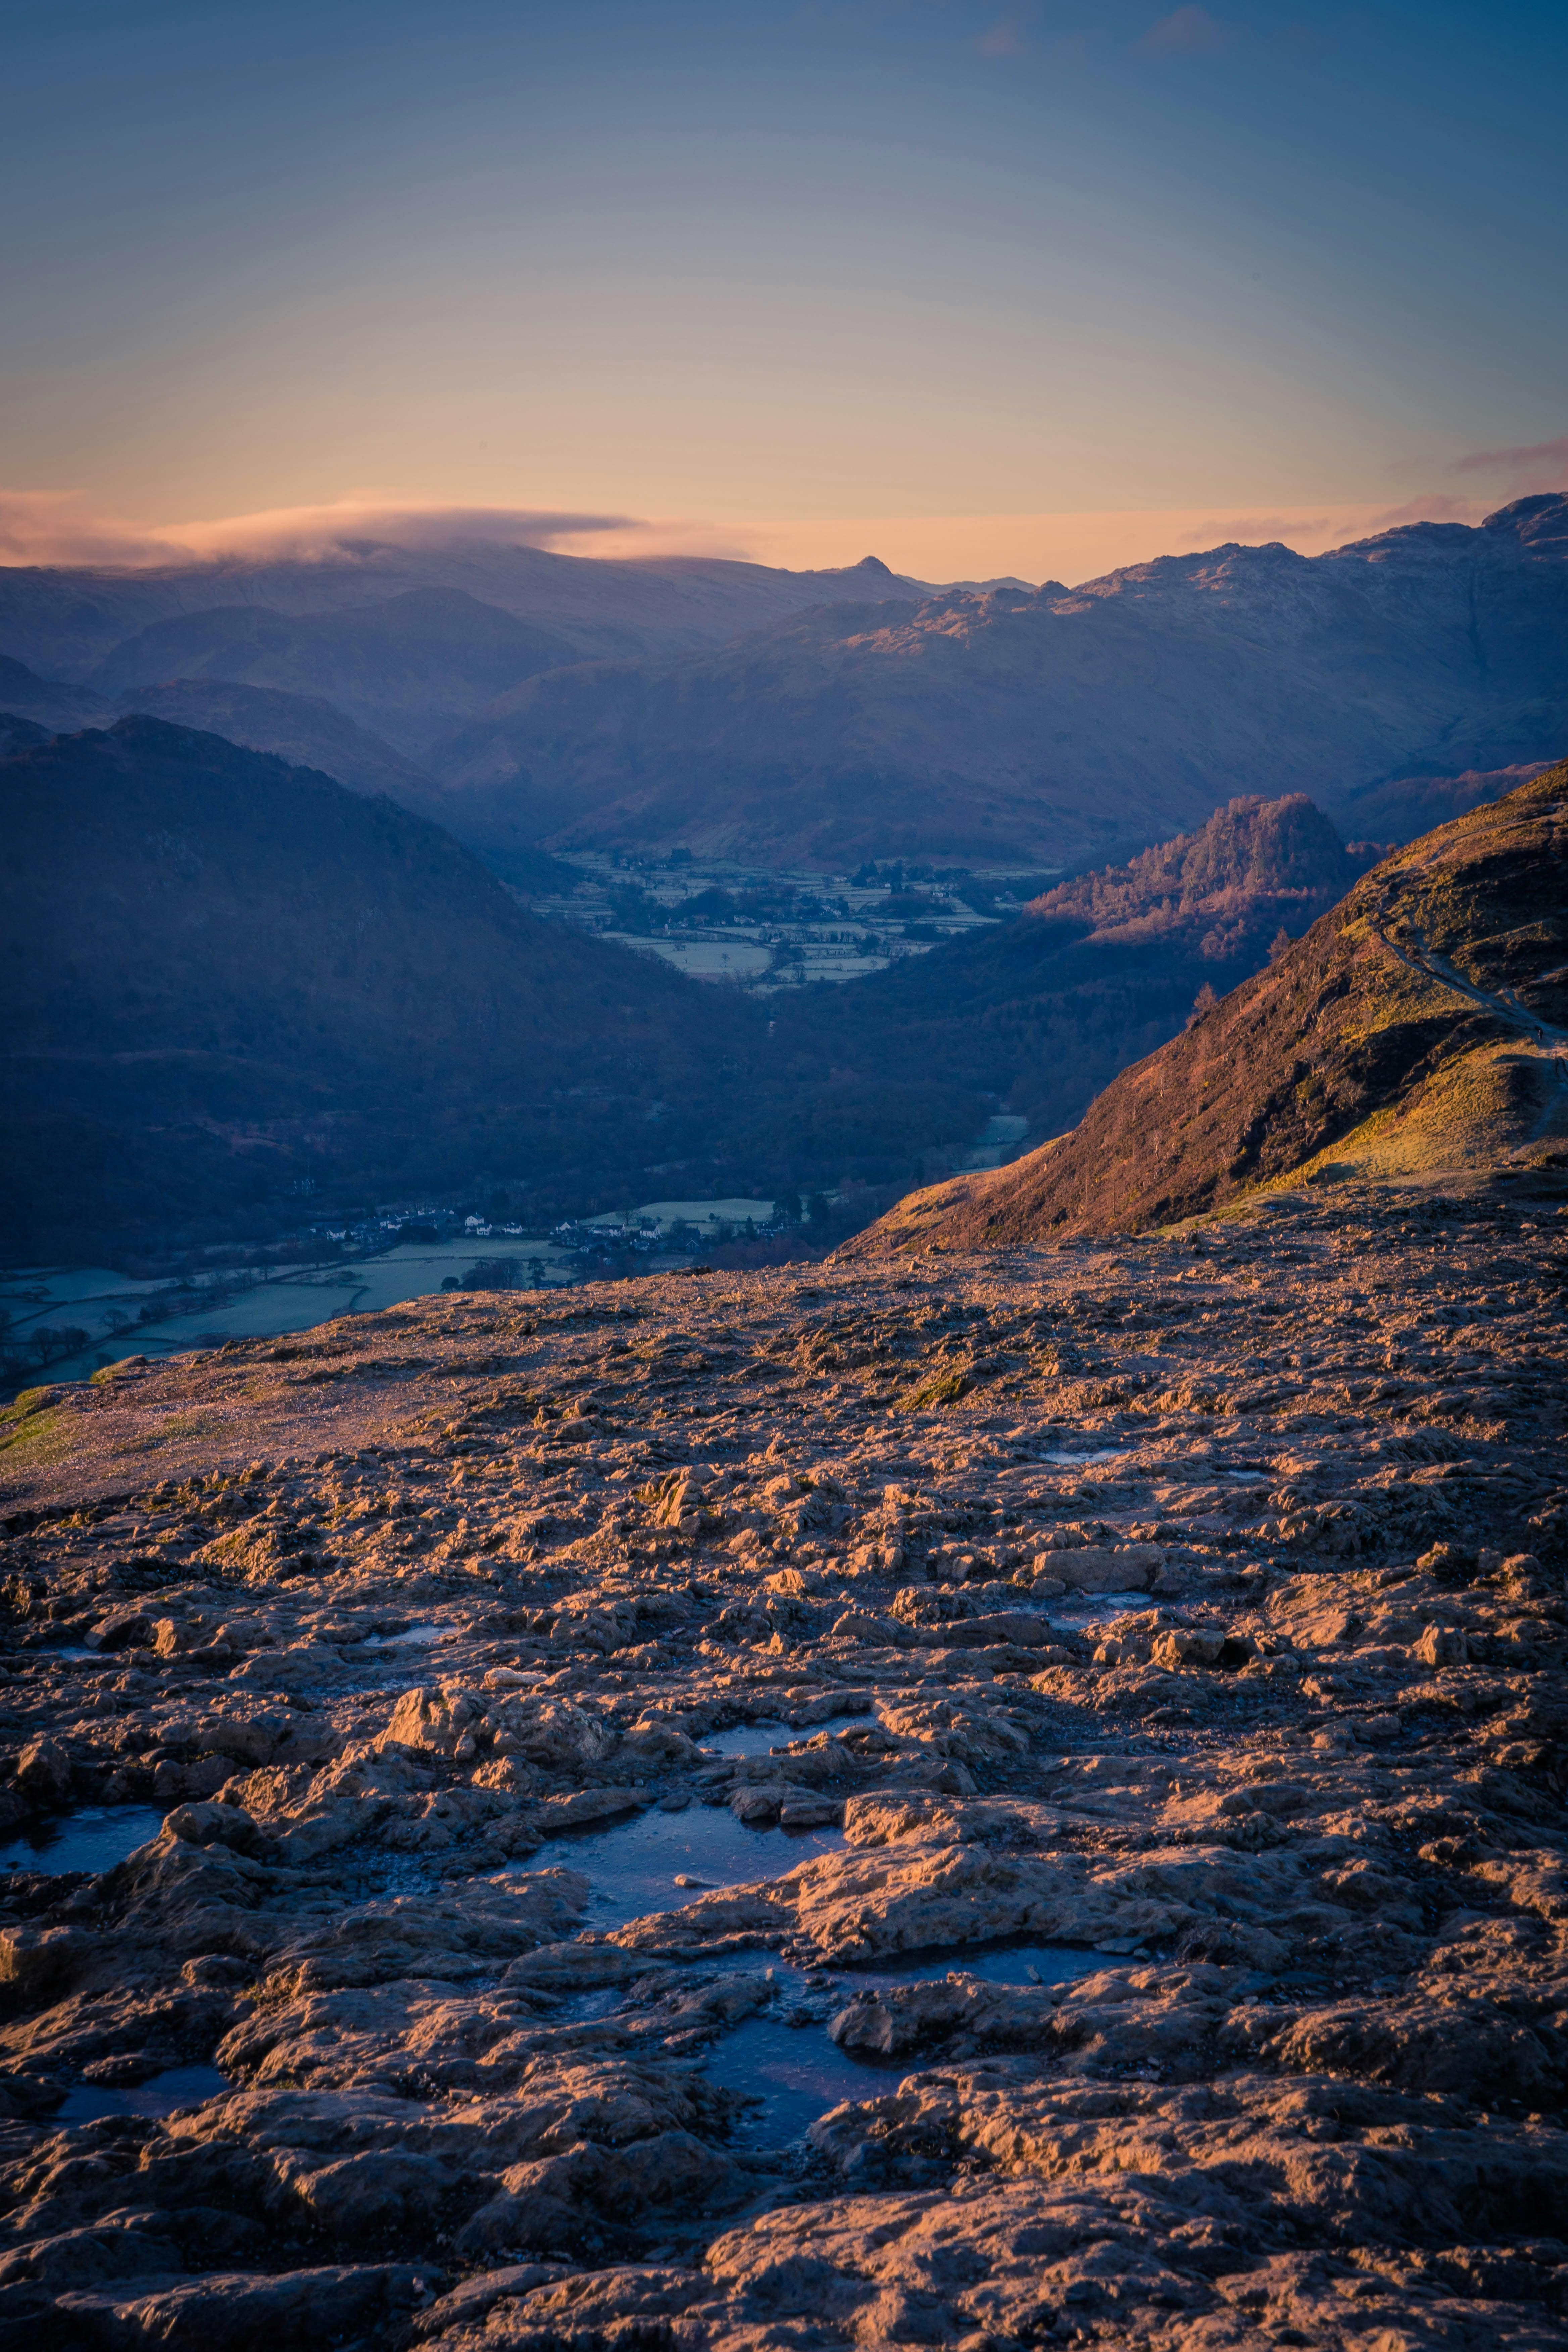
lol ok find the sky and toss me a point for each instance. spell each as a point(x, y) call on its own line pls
point(1029, 288)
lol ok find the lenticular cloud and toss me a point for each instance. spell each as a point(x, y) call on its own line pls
point(58, 527)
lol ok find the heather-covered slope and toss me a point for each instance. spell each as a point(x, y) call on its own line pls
point(1053, 726)
point(1418, 1025)
point(223, 975)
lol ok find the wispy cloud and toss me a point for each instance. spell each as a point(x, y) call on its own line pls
point(1005, 39)
point(58, 527)
point(1438, 506)
point(46, 527)
point(1553, 454)
point(1186, 31)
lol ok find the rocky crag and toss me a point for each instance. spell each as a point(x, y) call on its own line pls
point(1421, 1024)
point(1158, 1647)
point(1043, 1011)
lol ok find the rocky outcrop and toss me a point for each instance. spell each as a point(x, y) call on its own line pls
point(1172, 1703)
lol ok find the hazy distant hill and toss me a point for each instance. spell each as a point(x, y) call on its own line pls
point(1042, 1011)
point(302, 728)
point(1051, 726)
point(408, 668)
point(223, 975)
point(67, 620)
point(1414, 1027)
point(1409, 805)
point(20, 734)
point(49, 702)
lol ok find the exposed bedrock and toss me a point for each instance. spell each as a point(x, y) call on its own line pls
point(1003, 1802)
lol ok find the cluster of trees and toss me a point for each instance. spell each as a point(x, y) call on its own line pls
point(32, 1351)
point(498, 1273)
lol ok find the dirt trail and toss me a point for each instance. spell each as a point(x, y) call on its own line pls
point(1504, 1006)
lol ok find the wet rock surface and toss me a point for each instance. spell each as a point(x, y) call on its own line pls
point(1102, 1707)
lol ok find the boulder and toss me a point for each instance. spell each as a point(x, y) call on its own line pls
point(44, 1771)
point(41, 1960)
point(1101, 1567)
point(553, 1731)
point(434, 1722)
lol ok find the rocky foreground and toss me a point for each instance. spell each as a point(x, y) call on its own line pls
point(1185, 1613)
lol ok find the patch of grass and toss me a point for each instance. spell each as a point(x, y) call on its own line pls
point(942, 1388)
point(32, 1437)
point(178, 1424)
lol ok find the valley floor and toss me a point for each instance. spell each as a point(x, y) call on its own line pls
point(977, 1802)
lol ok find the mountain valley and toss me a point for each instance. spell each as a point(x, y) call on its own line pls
point(1002, 1790)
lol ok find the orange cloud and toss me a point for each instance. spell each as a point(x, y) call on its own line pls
point(58, 527)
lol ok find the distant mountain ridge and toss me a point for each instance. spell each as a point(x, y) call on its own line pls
point(1419, 1025)
point(1048, 726)
point(67, 620)
point(818, 719)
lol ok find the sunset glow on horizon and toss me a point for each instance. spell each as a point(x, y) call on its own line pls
point(981, 290)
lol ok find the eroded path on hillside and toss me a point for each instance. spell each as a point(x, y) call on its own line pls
point(1016, 1800)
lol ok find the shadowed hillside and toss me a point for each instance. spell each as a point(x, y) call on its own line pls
point(47, 702)
point(303, 728)
point(231, 982)
point(224, 975)
point(1418, 1025)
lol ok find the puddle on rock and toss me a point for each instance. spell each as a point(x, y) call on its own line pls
point(761, 1738)
point(1096, 1609)
point(93, 1838)
point(634, 1865)
point(799, 2073)
point(415, 1635)
point(161, 2094)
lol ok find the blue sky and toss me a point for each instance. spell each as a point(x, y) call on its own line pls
point(758, 266)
